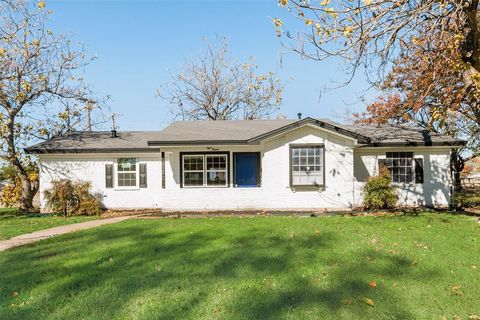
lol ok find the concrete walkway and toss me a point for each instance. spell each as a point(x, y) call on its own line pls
point(47, 233)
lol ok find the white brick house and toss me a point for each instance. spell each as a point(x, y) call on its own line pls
point(252, 164)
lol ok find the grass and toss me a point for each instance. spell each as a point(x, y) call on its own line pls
point(13, 223)
point(424, 267)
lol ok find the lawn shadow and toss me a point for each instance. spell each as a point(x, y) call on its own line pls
point(102, 273)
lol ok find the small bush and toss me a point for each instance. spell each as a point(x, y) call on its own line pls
point(72, 198)
point(468, 198)
point(379, 193)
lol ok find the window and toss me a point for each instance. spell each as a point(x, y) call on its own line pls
point(307, 164)
point(204, 170)
point(127, 172)
point(193, 171)
point(246, 171)
point(401, 166)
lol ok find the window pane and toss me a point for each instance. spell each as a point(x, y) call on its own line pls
point(216, 162)
point(193, 162)
point(127, 179)
point(216, 178)
point(193, 179)
point(246, 169)
point(126, 164)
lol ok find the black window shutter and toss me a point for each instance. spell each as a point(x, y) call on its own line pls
point(143, 175)
point(381, 163)
point(109, 175)
point(418, 170)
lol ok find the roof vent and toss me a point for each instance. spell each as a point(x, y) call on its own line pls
point(299, 115)
point(114, 133)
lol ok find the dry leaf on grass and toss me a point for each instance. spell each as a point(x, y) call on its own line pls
point(456, 290)
point(347, 302)
point(369, 301)
point(373, 284)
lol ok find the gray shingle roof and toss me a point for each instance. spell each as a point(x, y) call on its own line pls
point(232, 132)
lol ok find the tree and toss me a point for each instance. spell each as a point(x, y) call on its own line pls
point(426, 87)
point(40, 73)
point(367, 33)
point(216, 87)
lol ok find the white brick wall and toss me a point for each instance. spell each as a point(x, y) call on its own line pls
point(435, 191)
point(342, 190)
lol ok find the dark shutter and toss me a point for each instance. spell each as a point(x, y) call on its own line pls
point(143, 175)
point(109, 175)
point(418, 170)
point(381, 163)
point(163, 170)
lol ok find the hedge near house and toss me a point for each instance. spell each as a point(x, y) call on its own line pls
point(379, 192)
point(72, 198)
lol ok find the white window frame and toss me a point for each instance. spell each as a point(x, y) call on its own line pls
point(321, 165)
point(137, 175)
point(205, 171)
point(184, 171)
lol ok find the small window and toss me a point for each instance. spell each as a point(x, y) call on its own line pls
point(246, 169)
point(127, 172)
point(400, 165)
point(204, 170)
point(307, 165)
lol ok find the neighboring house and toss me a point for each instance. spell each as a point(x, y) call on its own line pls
point(251, 164)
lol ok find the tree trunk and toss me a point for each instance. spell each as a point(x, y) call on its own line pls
point(28, 192)
point(29, 189)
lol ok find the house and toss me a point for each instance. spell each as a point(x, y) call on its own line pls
point(250, 164)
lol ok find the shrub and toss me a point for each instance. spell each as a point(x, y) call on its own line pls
point(10, 194)
point(378, 191)
point(72, 198)
point(468, 198)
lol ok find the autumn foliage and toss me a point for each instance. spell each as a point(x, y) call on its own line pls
point(72, 198)
point(430, 86)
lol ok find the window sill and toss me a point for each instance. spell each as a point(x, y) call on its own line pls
point(307, 188)
point(126, 189)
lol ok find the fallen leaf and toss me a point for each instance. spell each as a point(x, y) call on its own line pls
point(474, 267)
point(317, 231)
point(456, 290)
point(373, 241)
point(373, 284)
point(395, 285)
point(474, 317)
point(347, 302)
point(14, 293)
point(369, 301)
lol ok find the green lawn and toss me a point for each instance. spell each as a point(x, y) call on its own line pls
point(13, 223)
point(425, 267)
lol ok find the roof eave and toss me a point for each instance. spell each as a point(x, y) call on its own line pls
point(88, 150)
point(417, 144)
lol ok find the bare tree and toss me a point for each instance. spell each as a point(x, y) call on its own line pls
point(367, 33)
point(216, 87)
point(40, 73)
